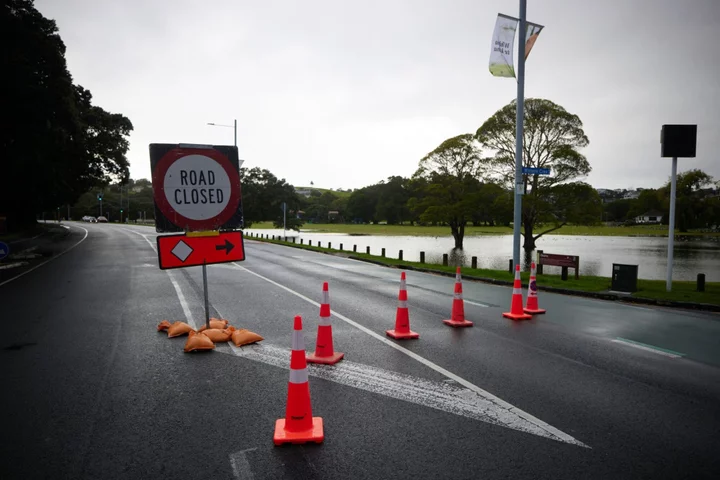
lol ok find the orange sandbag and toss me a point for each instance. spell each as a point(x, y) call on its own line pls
point(217, 335)
point(198, 341)
point(179, 328)
point(164, 325)
point(245, 337)
point(214, 323)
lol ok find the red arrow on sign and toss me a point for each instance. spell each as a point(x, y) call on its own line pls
point(178, 251)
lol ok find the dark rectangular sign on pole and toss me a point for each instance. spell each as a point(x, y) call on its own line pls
point(178, 251)
point(679, 141)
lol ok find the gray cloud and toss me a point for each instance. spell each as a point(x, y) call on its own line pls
point(347, 94)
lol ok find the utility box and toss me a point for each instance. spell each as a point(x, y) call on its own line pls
point(624, 278)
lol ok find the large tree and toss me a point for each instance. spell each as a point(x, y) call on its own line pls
point(262, 197)
point(54, 143)
point(693, 205)
point(450, 195)
point(552, 139)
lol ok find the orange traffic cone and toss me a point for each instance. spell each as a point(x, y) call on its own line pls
point(402, 317)
point(516, 307)
point(298, 426)
point(324, 346)
point(532, 306)
point(458, 307)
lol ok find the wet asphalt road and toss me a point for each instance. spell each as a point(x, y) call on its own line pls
point(92, 390)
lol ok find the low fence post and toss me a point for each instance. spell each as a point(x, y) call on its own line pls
point(382, 252)
point(564, 274)
point(539, 265)
point(473, 263)
point(445, 259)
point(510, 266)
point(355, 248)
point(329, 244)
point(422, 257)
point(400, 255)
point(367, 250)
point(302, 241)
point(341, 246)
point(701, 282)
point(310, 243)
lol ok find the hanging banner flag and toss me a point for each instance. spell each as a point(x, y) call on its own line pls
point(533, 30)
point(501, 50)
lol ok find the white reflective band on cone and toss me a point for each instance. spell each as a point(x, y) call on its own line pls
point(326, 297)
point(298, 341)
point(299, 376)
point(324, 320)
point(517, 291)
point(402, 285)
point(458, 278)
point(402, 303)
point(457, 296)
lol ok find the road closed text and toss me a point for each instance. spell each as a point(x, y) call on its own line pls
point(197, 187)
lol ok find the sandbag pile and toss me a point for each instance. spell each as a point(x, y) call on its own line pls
point(205, 338)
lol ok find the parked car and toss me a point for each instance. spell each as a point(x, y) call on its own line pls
point(88, 218)
point(102, 219)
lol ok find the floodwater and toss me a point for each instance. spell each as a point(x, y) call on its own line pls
point(693, 255)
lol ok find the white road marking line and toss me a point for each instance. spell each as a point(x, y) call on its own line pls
point(647, 348)
point(48, 260)
point(444, 396)
point(551, 432)
point(477, 304)
point(178, 291)
point(240, 465)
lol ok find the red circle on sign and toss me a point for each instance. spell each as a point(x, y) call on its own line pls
point(158, 178)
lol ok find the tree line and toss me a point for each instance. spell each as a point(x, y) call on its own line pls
point(697, 204)
point(55, 143)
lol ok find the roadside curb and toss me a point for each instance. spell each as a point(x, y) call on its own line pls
point(563, 291)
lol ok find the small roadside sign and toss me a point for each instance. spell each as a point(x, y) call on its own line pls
point(535, 171)
point(178, 251)
point(195, 187)
point(4, 250)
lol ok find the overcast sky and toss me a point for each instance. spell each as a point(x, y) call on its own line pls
point(348, 93)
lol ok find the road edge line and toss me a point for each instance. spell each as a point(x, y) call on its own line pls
point(49, 259)
point(178, 290)
point(648, 348)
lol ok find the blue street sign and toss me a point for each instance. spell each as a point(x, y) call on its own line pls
point(4, 250)
point(535, 171)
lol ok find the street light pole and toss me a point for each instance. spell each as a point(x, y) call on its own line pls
point(519, 117)
point(233, 126)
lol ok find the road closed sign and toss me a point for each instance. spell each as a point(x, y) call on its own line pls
point(195, 187)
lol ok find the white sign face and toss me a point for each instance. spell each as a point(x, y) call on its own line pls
point(197, 187)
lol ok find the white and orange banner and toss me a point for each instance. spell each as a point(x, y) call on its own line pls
point(503, 44)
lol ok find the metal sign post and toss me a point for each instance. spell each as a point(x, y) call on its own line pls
point(671, 225)
point(205, 292)
point(284, 209)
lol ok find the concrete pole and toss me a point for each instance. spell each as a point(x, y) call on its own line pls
point(519, 116)
point(235, 129)
point(671, 225)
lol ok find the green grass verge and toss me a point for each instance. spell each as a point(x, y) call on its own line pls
point(650, 289)
point(414, 230)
